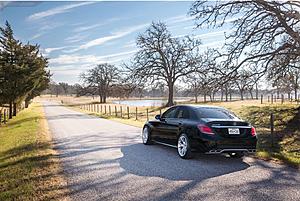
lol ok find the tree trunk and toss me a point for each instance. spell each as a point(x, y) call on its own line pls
point(256, 91)
point(251, 94)
point(295, 93)
point(226, 94)
point(104, 98)
point(242, 95)
point(15, 109)
point(205, 97)
point(196, 98)
point(171, 95)
point(10, 110)
point(222, 94)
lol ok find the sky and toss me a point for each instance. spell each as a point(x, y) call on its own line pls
point(76, 36)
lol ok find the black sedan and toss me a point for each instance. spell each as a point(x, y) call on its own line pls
point(206, 129)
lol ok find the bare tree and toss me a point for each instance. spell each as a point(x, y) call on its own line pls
point(244, 82)
point(262, 30)
point(102, 77)
point(288, 79)
point(65, 87)
point(162, 57)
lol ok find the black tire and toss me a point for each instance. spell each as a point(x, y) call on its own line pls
point(146, 136)
point(184, 149)
point(236, 155)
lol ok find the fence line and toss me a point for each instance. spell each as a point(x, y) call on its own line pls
point(4, 113)
point(126, 112)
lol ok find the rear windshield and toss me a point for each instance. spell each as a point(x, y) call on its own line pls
point(215, 113)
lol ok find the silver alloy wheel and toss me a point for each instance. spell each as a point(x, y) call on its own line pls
point(182, 145)
point(145, 135)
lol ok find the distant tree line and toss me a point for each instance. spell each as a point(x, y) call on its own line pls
point(23, 71)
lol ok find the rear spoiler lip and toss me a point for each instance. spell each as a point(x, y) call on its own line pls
point(222, 120)
point(215, 126)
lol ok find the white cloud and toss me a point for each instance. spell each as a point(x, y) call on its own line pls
point(93, 26)
point(102, 40)
point(212, 35)
point(76, 59)
point(52, 49)
point(56, 10)
point(35, 36)
point(227, 20)
point(179, 19)
point(215, 44)
point(130, 44)
point(76, 38)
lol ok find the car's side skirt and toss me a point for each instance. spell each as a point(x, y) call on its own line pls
point(166, 144)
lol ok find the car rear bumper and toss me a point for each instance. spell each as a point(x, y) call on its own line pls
point(220, 151)
point(247, 145)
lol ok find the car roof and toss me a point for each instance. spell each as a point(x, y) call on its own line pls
point(201, 106)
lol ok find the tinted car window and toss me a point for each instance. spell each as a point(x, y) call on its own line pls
point(215, 113)
point(170, 113)
point(183, 113)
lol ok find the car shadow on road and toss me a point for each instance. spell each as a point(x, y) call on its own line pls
point(160, 161)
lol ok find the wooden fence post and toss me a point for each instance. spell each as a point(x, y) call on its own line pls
point(272, 129)
point(109, 108)
point(261, 99)
point(121, 111)
point(147, 115)
point(97, 108)
point(116, 111)
point(272, 99)
point(104, 109)
point(136, 113)
point(0, 118)
point(127, 112)
point(282, 98)
point(4, 117)
point(101, 109)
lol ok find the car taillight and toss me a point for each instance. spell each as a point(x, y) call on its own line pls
point(205, 129)
point(253, 131)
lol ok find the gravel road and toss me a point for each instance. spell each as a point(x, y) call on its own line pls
point(105, 160)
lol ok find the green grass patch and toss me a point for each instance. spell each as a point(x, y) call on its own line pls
point(286, 138)
point(29, 169)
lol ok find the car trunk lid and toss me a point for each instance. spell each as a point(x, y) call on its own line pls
point(230, 128)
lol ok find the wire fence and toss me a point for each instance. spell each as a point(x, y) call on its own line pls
point(123, 112)
point(4, 113)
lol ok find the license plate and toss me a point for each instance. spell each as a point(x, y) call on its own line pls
point(233, 131)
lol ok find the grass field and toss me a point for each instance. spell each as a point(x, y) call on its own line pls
point(29, 167)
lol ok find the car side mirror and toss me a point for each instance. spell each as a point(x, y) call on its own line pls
point(158, 117)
